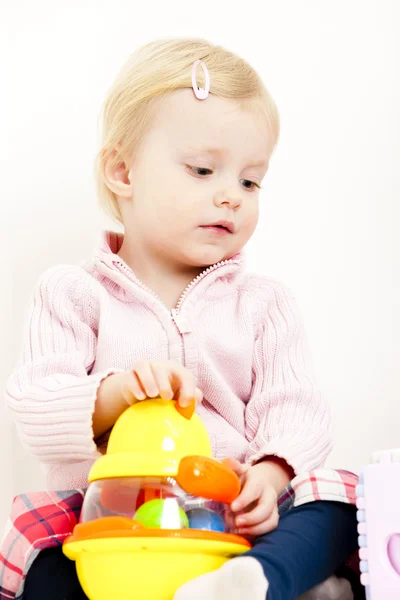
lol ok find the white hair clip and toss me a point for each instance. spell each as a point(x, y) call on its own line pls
point(200, 93)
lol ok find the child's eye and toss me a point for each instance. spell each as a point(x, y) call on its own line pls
point(203, 171)
point(198, 169)
point(252, 184)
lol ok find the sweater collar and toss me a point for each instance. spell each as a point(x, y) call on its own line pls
point(111, 242)
point(112, 266)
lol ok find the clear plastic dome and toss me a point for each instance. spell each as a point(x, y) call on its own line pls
point(156, 503)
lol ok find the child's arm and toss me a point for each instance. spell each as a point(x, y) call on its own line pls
point(286, 416)
point(51, 395)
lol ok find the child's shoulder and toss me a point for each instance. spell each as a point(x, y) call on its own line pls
point(64, 281)
point(269, 296)
point(263, 287)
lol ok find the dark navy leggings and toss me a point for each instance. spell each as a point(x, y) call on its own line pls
point(310, 543)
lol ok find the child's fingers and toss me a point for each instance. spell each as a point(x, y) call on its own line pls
point(151, 379)
point(261, 528)
point(240, 469)
point(145, 376)
point(198, 396)
point(162, 376)
point(250, 493)
point(236, 466)
point(131, 389)
point(186, 385)
point(262, 512)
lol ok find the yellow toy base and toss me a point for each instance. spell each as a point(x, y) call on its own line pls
point(144, 568)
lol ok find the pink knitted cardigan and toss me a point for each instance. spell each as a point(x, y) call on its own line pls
point(240, 334)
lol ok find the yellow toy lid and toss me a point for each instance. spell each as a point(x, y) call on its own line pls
point(149, 439)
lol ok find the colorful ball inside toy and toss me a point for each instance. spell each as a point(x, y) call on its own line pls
point(205, 519)
point(164, 514)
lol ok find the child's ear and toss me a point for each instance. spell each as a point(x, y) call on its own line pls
point(117, 175)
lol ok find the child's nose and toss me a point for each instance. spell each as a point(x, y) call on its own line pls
point(229, 197)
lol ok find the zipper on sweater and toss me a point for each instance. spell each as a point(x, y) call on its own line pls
point(176, 311)
point(181, 323)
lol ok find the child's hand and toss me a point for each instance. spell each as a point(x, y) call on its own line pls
point(257, 504)
point(147, 379)
point(150, 379)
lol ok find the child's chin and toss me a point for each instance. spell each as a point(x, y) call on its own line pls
point(205, 258)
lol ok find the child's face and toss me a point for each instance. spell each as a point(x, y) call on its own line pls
point(178, 188)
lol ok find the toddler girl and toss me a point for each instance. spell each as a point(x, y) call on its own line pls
point(166, 309)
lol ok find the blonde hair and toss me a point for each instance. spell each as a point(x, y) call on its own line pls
point(153, 71)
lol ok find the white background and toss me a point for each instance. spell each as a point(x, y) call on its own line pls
point(330, 205)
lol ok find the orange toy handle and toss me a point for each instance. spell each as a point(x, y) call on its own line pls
point(186, 411)
point(208, 478)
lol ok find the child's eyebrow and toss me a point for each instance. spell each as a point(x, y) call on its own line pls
point(207, 150)
point(222, 151)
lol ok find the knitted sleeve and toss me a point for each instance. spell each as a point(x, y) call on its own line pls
point(51, 393)
point(286, 415)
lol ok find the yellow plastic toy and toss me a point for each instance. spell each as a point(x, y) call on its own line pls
point(156, 513)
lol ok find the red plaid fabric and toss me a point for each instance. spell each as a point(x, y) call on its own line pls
point(42, 520)
point(38, 520)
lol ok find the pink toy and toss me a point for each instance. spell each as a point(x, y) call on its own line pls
point(379, 526)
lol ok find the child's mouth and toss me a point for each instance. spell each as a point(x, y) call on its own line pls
point(220, 227)
point(216, 229)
